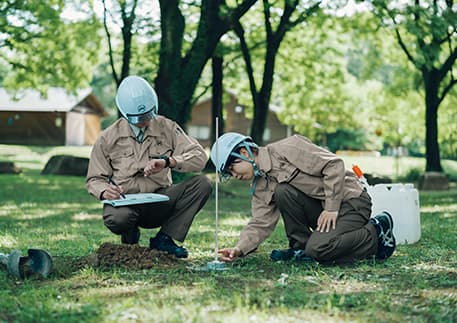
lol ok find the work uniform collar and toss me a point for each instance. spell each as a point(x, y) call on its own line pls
point(125, 129)
point(263, 160)
point(128, 130)
point(136, 130)
point(261, 166)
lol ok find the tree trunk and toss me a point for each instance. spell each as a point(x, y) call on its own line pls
point(166, 85)
point(435, 59)
point(260, 119)
point(217, 90)
point(433, 159)
point(178, 76)
point(263, 99)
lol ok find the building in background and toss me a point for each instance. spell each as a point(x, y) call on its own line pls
point(199, 127)
point(58, 119)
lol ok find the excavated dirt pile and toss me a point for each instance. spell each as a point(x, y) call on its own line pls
point(128, 256)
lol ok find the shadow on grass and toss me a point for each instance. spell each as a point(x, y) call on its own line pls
point(54, 212)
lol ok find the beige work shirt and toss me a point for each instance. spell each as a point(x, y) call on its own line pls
point(313, 170)
point(116, 152)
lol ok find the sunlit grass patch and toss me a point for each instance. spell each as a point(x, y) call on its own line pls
point(417, 284)
point(84, 216)
point(448, 209)
point(7, 240)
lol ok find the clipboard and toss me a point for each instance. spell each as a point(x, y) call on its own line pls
point(140, 198)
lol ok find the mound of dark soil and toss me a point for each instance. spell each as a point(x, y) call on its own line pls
point(128, 256)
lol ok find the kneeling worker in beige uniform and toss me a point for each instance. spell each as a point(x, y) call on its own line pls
point(325, 209)
point(137, 152)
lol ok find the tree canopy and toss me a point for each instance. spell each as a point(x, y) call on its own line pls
point(426, 31)
point(370, 76)
point(44, 48)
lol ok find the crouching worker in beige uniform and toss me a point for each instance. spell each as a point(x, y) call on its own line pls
point(325, 209)
point(138, 151)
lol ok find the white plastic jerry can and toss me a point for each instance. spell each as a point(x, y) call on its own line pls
point(402, 202)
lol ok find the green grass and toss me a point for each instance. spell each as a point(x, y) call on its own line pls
point(396, 167)
point(31, 159)
point(418, 284)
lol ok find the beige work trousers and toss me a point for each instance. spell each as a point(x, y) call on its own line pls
point(174, 217)
point(354, 237)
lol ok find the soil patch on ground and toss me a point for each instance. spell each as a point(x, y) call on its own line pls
point(127, 256)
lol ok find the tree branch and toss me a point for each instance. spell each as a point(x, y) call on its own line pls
point(449, 63)
point(283, 26)
point(238, 28)
point(240, 10)
point(110, 48)
point(446, 90)
point(305, 14)
point(266, 13)
point(403, 46)
point(202, 93)
point(447, 66)
point(420, 40)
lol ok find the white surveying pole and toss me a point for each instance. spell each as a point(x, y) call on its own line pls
point(216, 264)
point(217, 192)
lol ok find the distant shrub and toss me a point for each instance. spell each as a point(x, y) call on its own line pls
point(452, 177)
point(412, 175)
point(347, 139)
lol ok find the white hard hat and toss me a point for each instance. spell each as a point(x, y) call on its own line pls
point(226, 146)
point(136, 100)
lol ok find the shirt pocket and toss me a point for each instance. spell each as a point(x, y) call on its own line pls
point(122, 160)
point(160, 147)
point(285, 172)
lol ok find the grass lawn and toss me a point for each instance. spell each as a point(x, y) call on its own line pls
point(55, 213)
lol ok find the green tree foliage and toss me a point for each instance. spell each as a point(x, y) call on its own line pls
point(44, 48)
point(426, 31)
point(129, 20)
point(332, 77)
point(279, 17)
point(316, 93)
point(387, 86)
point(313, 87)
point(448, 127)
point(345, 73)
point(131, 27)
point(345, 139)
point(180, 67)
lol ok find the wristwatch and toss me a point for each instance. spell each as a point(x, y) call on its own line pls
point(167, 160)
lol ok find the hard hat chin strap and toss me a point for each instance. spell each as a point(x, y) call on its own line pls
point(251, 160)
point(135, 118)
point(257, 171)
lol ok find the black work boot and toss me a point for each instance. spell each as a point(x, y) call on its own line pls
point(289, 254)
point(164, 242)
point(386, 241)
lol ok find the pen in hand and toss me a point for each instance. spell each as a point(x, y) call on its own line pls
point(111, 181)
